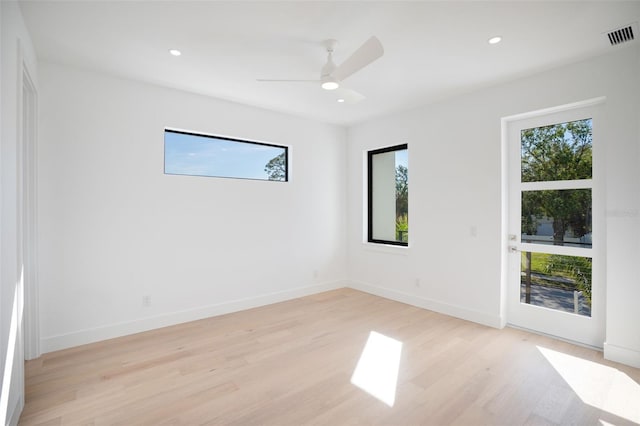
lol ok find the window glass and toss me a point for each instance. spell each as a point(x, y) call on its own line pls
point(561, 151)
point(558, 217)
point(388, 193)
point(557, 152)
point(556, 281)
point(203, 155)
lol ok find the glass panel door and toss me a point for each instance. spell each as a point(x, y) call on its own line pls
point(553, 226)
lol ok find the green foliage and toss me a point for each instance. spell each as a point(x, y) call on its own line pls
point(402, 223)
point(402, 228)
point(530, 210)
point(577, 268)
point(570, 210)
point(402, 191)
point(558, 152)
point(276, 168)
point(402, 203)
point(539, 262)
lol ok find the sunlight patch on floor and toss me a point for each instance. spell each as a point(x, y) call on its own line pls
point(600, 386)
point(377, 369)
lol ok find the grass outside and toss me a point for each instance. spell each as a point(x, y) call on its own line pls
point(544, 277)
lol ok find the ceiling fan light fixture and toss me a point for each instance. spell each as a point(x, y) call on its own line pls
point(330, 84)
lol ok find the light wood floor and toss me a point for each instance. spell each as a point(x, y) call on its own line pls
point(291, 364)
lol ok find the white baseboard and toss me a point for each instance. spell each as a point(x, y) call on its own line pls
point(622, 355)
point(430, 304)
point(97, 334)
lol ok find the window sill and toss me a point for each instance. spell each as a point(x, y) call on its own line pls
point(386, 248)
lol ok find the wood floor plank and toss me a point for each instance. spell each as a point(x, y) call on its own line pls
point(292, 363)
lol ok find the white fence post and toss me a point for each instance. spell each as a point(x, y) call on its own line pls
point(576, 301)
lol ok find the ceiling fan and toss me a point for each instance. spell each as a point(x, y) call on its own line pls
point(332, 75)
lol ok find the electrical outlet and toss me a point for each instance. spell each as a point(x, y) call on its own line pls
point(146, 301)
point(418, 282)
point(316, 274)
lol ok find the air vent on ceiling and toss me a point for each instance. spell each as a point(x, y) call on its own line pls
point(622, 35)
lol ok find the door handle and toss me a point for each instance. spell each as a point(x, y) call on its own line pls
point(513, 249)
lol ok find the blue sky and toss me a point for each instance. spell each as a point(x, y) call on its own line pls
point(206, 156)
point(402, 158)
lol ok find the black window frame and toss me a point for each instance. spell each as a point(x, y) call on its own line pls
point(226, 138)
point(370, 155)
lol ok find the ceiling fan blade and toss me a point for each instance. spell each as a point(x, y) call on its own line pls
point(350, 96)
point(370, 51)
point(269, 80)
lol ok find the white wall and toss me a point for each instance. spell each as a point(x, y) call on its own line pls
point(453, 264)
point(12, 34)
point(114, 228)
point(623, 217)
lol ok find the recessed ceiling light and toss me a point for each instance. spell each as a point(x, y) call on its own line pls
point(340, 101)
point(495, 40)
point(175, 52)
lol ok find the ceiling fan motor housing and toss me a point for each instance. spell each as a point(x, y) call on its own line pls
point(330, 66)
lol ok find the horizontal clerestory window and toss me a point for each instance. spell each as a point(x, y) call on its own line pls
point(194, 154)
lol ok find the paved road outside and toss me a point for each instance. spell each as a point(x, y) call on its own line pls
point(555, 298)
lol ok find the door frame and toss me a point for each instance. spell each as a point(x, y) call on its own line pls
point(27, 199)
point(510, 295)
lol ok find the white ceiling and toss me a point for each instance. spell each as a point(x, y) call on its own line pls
point(433, 50)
